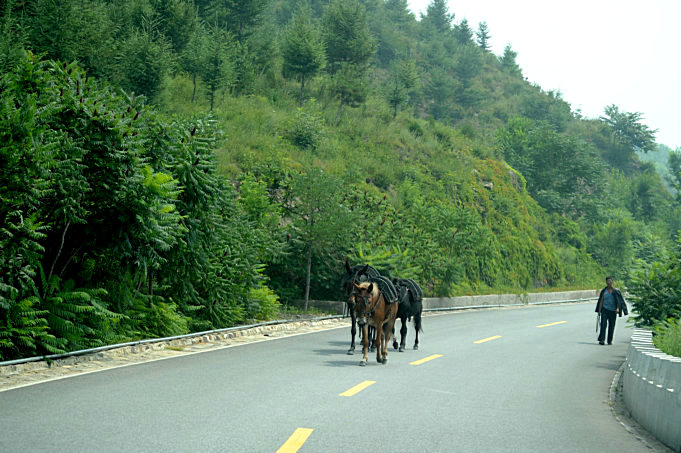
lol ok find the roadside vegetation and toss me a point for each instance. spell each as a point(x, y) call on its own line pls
point(172, 167)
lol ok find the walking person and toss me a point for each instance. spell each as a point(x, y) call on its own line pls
point(610, 305)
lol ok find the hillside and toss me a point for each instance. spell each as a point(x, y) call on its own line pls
point(169, 168)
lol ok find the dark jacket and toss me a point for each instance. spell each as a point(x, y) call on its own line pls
point(619, 300)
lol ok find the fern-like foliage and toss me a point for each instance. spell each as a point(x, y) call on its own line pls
point(24, 332)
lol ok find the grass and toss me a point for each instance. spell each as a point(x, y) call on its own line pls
point(668, 338)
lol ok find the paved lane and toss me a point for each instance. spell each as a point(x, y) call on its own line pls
point(526, 388)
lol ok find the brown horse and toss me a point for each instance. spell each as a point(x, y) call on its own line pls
point(373, 309)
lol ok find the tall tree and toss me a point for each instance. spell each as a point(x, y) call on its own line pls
point(403, 78)
point(144, 59)
point(463, 32)
point(437, 17)
point(346, 34)
point(349, 48)
point(193, 55)
point(628, 135)
point(508, 60)
point(303, 50)
point(483, 36)
point(321, 220)
point(239, 17)
point(216, 68)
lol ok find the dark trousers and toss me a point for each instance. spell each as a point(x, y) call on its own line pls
point(608, 318)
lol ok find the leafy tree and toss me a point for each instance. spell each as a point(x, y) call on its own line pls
point(656, 290)
point(92, 205)
point(647, 196)
point(303, 50)
point(194, 55)
point(218, 258)
point(482, 36)
point(563, 174)
point(628, 135)
point(320, 220)
point(674, 165)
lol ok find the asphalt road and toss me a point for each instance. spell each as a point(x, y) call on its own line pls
point(512, 380)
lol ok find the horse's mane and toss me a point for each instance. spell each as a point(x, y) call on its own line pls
point(386, 287)
point(357, 274)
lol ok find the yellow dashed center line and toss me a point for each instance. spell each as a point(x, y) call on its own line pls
point(296, 440)
point(487, 339)
point(427, 359)
point(358, 388)
point(552, 324)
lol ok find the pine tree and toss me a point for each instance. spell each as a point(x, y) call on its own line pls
point(437, 17)
point(483, 36)
point(303, 50)
point(349, 48)
point(463, 32)
point(508, 60)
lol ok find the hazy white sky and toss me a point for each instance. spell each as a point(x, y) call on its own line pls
point(595, 52)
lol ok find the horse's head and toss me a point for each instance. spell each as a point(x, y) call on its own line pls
point(364, 298)
point(357, 274)
point(403, 294)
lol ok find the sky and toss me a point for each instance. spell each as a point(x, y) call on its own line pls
point(595, 52)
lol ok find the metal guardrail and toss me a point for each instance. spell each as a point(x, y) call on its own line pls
point(157, 340)
point(250, 326)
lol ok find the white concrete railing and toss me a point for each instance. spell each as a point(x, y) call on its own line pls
point(652, 389)
point(487, 301)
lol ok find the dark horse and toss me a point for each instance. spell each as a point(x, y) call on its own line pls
point(372, 308)
point(411, 305)
point(355, 275)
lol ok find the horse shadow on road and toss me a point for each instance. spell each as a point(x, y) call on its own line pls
point(339, 349)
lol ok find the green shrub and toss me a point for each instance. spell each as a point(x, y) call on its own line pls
point(263, 303)
point(668, 338)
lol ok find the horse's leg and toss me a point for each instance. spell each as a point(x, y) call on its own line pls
point(395, 345)
point(372, 338)
point(403, 333)
point(417, 328)
point(390, 325)
point(365, 346)
point(353, 331)
point(379, 339)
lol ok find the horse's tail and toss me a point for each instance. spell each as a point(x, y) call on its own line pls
point(418, 325)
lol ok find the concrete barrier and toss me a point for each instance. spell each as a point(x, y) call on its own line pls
point(652, 389)
point(487, 301)
point(503, 300)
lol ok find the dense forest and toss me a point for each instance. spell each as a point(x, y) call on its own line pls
point(172, 166)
